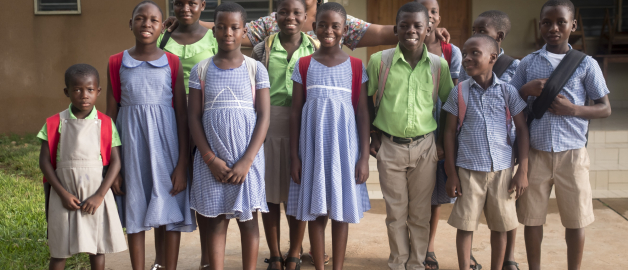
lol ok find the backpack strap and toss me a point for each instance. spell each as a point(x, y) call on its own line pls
point(463, 99)
point(356, 83)
point(555, 83)
point(173, 62)
point(106, 131)
point(115, 62)
point(384, 69)
point(447, 51)
point(304, 65)
point(164, 39)
point(201, 71)
point(251, 67)
point(268, 45)
point(52, 128)
point(435, 68)
point(315, 43)
point(502, 64)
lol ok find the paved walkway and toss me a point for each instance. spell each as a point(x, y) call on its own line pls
point(606, 246)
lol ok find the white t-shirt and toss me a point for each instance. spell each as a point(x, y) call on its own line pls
point(555, 58)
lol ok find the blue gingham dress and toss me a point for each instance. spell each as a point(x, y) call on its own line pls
point(150, 148)
point(229, 120)
point(328, 148)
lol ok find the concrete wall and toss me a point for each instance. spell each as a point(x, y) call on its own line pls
point(355, 8)
point(37, 49)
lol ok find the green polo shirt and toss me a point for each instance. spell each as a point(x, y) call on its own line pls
point(280, 70)
point(406, 107)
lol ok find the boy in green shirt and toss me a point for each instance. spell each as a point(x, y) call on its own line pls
point(402, 133)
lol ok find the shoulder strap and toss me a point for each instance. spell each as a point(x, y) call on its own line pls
point(384, 69)
point(115, 62)
point(173, 62)
point(435, 68)
point(555, 83)
point(356, 83)
point(502, 63)
point(304, 64)
point(447, 51)
point(463, 99)
point(164, 39)
point(251, 66)
point(201, 71)
point(315, 42)
point(52, 128)
point(106, 131)
point(269, 44)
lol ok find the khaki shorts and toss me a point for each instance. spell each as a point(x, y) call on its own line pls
point(486, 191)
point(568, 171)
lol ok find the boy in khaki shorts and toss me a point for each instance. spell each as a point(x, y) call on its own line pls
point(480, 172)
point(558, 156)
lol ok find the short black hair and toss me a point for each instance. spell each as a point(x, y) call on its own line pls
point(499, 20)
point(565, 3)
point(279, 2)
point(147, 2)
point(80, 70)
point(230, 7)
point(491, 41)
point(332, 6)
point(413, 7)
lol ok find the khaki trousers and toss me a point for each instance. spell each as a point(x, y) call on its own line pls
point(407, 175)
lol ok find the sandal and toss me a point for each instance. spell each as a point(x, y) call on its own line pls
point(433, 263)
point(203, 266)
point(157, 266)
point(272, 260)
point(297, 261)
point(312, 258)
point(477, 266)
point(511, 263)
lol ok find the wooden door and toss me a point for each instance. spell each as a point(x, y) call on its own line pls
point(455, 16)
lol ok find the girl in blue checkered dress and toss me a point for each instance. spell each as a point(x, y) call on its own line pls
point(329, 142)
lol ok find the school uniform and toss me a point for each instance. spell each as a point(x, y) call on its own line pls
point(558, 156)
point(76, 154)
point(407, 158)
point(277, 143)
point(506, 76)
point(484, 157)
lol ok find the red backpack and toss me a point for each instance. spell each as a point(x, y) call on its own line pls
point(356, 83)
point(115, 62)
point(446, 48)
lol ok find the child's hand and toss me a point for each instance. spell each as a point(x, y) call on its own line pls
point(440, 151)
point(116, 187)
point(170, 24)
point(519, 183)
point(534, 87)
point(92, 203)
point(219, 170)
point(70, 202)
point(361, 171)
point(295, 170)
point(239, 172)
point(453, 186)
point(179, 180)
point(375, 145)
point(562, 106)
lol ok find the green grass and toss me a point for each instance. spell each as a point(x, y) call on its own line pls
point(23, 243)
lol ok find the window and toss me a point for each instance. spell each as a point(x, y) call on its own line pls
point(52, 7)
point(254, 8)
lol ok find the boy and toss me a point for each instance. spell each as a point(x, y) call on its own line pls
point(480, 112)
point(496, 24)
point(558, 155)
point(402, 133)
point(281, 52)
point(73, 150)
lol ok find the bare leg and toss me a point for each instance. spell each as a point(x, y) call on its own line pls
point(160, 245)
point(97, 262)
point(510, 249)
point(136, 250)
point(433, 227)
point(56, 264)
point(317, 241)
point(533, 236)
point(202, 230)
point(339, 236)
point(173, 240)
point(249, 234)
point(297, 230)
point(575, 247)
point(272, 230)
point(217, 236)
point(498, 249)
point(464, 240)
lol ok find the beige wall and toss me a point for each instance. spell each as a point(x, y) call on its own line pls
point(355, 8)
point(38, 49)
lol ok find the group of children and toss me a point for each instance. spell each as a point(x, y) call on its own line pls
point(292, 125)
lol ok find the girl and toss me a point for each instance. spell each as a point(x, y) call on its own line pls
point(146, 83)
point(228, 121)
point(329, 142)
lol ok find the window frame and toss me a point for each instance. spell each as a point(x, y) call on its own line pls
point(270, 6)
point(57, 12)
